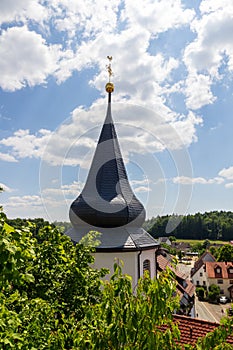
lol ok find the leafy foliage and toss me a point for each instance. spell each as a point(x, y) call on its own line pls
point(213, 293)
point(201, 292)
point(225, 253)
point(43, 285)
point(127, 320)
point(52, 298)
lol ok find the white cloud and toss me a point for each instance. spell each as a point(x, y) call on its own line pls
point(213, 40)
point(211, 50)
point(7, 157)
point(198, 91)
point(185, 180)
point(141, 186)
point(142, 189)
point(24, 201)
point(229, 185)
point(156, 16)
point(70, 190)
point(24, 144)
point(25, 58)
point(21, 10)
point(208, 6)
point(227, 173)
point(140, 131)
point(89, 17)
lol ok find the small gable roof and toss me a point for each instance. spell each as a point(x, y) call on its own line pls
point(206, 256)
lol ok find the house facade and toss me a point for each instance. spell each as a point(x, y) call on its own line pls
point(218, 273)
point(199, 278)
point(221, 274)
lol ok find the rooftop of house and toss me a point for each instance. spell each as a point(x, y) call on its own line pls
point(191, 329)
point(206, 256)
point(219, 269)
point(183, 246)
point(183, 284)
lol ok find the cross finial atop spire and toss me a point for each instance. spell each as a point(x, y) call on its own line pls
point(109, 86)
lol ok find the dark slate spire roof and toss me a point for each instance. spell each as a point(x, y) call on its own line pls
point(107, 199)
point(107, 203)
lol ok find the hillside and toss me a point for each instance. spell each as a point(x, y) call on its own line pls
point(215, 225)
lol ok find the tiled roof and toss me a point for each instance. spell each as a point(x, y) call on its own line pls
point(107, 203)
point(211, 269)
point(117, 238)
point(191, 329)
point(181, 245)
point(206, 256)
point(184, 285)
point(107, 199)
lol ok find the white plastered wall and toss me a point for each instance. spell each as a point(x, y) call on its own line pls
point(130, 262)
point(107, 260)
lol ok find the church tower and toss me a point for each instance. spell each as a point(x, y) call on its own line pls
point(108, 205)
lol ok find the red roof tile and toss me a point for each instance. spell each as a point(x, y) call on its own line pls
point(191, 329)
point(189, 288)
point(206, 256)
point(211, 269)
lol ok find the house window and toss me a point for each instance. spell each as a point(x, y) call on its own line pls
point(198, 283)
point(221, 291)
point(204, 283)
point(201, 274)
point(218, 270)
point(220, 281)
point(230, 270)
point(146, 266)
point(231, 281)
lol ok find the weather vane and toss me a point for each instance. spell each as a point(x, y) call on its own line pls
point(109, 67)
point(109, 86)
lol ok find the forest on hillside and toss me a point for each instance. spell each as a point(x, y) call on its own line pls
point(215, 225)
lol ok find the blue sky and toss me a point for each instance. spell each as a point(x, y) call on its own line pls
point(172, 64)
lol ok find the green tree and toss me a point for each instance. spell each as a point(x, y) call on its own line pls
point(45, 287)
point(127, 320)
point(225, 253)
point(213, 293)
point(201, 293)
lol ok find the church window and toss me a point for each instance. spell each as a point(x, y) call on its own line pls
point(146, 266)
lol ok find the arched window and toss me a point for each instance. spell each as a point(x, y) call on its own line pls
point(146, 266)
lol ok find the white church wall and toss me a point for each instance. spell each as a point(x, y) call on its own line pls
point(130, 260)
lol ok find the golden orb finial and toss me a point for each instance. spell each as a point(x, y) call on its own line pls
point(109, 86)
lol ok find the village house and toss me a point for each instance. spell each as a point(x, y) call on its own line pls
point(207, 273)
point(221, 274)
point(184, 288)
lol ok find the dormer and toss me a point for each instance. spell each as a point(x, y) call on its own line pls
point(218, 270)
point(230, 271)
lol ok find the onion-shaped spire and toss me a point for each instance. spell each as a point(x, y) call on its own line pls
point(107, 199)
